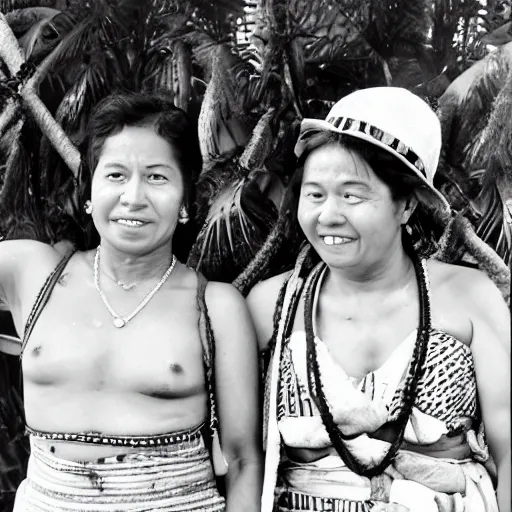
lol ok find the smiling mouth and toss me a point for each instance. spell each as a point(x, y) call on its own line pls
point(336, 240)
point(130, 223)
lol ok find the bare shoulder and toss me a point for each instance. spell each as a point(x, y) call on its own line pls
point(24, 256)
point(223, 297)
point(262, 301)
point(469, 285)
point(15, 249)
point(230, 317)
point(473, 292)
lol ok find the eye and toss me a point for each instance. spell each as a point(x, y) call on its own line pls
point(352, 198)
point(157, 178)
point(314, 195)
point(115, 176)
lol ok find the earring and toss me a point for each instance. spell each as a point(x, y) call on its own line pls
point(183, 216)
point(88, 207)
point(408, 229)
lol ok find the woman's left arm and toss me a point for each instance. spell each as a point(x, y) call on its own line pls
point(490, 346)
point(237, 396)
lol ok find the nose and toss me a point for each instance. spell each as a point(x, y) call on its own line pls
point(331, 212)
point(133, 193)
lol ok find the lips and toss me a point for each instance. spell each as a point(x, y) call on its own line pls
point(131, 223)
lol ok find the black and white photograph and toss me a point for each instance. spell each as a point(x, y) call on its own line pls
point(255, 255)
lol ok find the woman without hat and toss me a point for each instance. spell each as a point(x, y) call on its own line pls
point(385, 363)
point(124, 388)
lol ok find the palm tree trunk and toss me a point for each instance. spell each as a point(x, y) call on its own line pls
point(387, 72)
point(11, 54)
point(11, 5)
point(184, 68)
point(21, 20)
point(460, 233)
point(7, 114)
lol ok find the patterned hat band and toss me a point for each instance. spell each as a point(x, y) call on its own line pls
point(346, 124)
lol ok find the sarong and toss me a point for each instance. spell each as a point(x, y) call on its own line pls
point(177, 477)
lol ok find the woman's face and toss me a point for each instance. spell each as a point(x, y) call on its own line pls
point(137, 191)
point(346, 212)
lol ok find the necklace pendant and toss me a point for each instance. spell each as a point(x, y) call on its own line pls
point(119, 322)
point(126, 287)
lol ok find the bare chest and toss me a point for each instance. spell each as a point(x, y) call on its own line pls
point(75, 344)
point(361, 339)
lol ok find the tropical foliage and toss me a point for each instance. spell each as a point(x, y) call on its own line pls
point(248, 100)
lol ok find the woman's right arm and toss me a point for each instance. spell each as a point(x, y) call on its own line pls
point(18, 258)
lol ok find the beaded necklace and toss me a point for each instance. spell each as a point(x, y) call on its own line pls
point(120, 321)
point(413, 375)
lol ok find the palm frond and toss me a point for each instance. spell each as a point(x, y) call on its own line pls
point(237, 204)
point(217, 116)
point(21, 215)
point(239, 221)
point(464, 112)
point(494, 227)
point(102, 27)
point(493, 152)
point(493, 145)
point(158, 68)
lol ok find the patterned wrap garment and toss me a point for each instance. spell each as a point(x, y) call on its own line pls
point(440, 465)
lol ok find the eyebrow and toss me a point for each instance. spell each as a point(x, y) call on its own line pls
point(170, 167)
point(149, 166)
point(349, 183)
point(115, 164)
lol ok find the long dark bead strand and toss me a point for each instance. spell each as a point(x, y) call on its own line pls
point(415, 371)
point(278, 311)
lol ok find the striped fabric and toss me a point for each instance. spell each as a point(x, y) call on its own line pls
point(176, 478)
point(291, 501)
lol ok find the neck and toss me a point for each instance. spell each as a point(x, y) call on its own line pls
point(388, 274)
point(130, 268)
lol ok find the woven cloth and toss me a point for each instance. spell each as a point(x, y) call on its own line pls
point(174, 478)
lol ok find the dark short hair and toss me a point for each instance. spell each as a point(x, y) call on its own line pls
point(426, 227)
point(118, 110)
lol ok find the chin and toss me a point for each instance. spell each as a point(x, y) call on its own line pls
point(131, 247)
point(337, 256)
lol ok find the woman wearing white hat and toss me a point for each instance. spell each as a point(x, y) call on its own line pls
point(385, 364)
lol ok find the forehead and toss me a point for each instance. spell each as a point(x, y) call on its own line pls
point(335, 162)
point(139, 142)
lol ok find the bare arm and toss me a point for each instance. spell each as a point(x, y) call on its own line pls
point(491, 351)
point(21, 261)
point(12, 253)
point(262, 303)
point(237, 392)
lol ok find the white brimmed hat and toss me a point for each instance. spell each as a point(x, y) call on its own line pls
point(394, 119)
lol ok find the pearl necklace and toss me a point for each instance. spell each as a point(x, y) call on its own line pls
point(120, 321)
point(125, 287)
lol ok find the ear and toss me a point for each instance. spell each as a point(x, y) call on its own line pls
point(409, 206)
